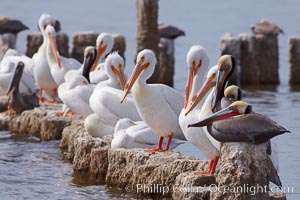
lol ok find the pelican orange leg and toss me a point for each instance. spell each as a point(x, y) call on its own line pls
point(212, 167)
point(158, 148)
point(169, 142)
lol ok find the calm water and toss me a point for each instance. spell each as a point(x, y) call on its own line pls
point(204, 23)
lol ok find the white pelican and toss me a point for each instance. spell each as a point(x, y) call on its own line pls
point(7, 68)
point(225, 67)
point(75, 93)
point(198, 63)
point(130, 134)
point(42, 74)
point(105, 99)
point(104, 45)
point(59, 65)
point(158, 105)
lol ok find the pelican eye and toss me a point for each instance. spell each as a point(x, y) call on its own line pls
point(85, 82)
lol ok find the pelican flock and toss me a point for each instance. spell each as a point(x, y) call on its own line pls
point(137, 114)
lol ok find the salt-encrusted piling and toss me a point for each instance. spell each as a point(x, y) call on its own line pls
point(257, 55)
point(243, 172)
point(165, 174)
point(81, 40)
point(147, 36)
point(35, 39)
point(41, 122)
point(294, 60)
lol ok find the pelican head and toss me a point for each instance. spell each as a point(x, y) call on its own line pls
point(233, 92)
point(197, 61)
point(226, 66)
point(114, 66)
point(143, 69)
point(89, 59)
point(76, 81)
point(44, 20)
point(209, 83)
point(104, 44)
point(234, 109)
point(50, 33)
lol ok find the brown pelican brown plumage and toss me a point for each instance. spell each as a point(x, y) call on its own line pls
point(11, 26)
point(266, 28)
point(237, 123)
point(168, 31)
point(20, 102)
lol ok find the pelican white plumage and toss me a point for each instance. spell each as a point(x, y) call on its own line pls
point(130, 134)
point(59, 65)
point(75, 93)
point(105, 99)
point(41, 71)
point(199, 137)
point(158, 105)
point(7, 68)
point(104, 45)
point(198, 63)
point(211, 148)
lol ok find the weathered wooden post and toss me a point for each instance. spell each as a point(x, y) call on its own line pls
point(35, 39)
point(147, 31)
point(83, 39)
point(294, 60)
point(257, 55)
point(166, 57)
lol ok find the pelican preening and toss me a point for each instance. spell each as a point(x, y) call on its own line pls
point(158, 105)
point(75, 93)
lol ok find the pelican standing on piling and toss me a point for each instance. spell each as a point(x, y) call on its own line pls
point(42, 74)
point(158, 105)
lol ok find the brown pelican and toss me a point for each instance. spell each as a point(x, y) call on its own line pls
point(231, 94)
point(20, 102)
point(237, 123)
point(266, 28)
point(168, 31)
point(11, 26)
